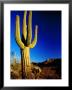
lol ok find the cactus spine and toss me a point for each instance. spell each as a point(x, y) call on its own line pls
point(25, 42)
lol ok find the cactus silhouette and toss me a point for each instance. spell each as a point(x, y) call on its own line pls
point(25, 42)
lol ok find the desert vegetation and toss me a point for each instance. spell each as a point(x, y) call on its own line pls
point(25, 42)
point(49, 69)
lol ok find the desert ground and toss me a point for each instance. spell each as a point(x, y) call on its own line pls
point(49, 69)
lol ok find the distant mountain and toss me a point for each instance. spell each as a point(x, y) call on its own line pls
point(49, 62)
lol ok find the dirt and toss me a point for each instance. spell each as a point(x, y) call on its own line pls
point(49, 69)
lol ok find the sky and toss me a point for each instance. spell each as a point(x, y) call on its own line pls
point(49, 35)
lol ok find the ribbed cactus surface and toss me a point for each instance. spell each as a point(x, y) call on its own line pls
point(25, 42)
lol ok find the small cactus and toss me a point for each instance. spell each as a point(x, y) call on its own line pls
point(25, 42)
point(14, 62)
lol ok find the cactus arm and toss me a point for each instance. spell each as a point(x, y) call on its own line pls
point(35, 38)
point(24, 26)
point(17, 33)
point(29, 31)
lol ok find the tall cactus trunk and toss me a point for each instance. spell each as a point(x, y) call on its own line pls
point(26, 66)
point(25, 43)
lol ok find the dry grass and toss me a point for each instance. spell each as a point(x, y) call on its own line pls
point(45, 70)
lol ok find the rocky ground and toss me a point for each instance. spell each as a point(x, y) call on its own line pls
point(49, 69)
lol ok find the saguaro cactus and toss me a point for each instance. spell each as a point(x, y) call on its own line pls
point(25, 42)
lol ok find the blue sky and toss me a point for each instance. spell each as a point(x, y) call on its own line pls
point(49, 35)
